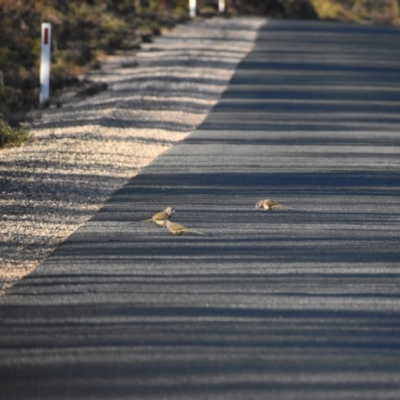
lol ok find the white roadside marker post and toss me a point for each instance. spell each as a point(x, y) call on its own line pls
point(45, 63)
point(221, 6)
point(192, 8)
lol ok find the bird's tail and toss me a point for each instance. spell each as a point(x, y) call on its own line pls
point(278, 207)
point(199, 233)
point(147, 220)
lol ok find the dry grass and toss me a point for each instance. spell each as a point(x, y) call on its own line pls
point(358, 11)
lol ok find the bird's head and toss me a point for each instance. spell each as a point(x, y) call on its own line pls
point(259, 204)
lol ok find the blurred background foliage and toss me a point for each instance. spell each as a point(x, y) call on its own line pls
point(84, 31)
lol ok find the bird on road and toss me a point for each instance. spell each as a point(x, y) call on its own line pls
point(161, 217)
point(178, 229)
point(268, 205)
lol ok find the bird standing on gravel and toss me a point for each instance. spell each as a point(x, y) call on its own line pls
point(161, 217)
point(178, 229)
point(268, 204)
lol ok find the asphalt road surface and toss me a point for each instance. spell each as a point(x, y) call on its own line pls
point(302, 303)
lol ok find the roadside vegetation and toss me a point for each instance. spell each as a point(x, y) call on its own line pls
point(384, 12)
point(85, 31)
point(12, 136)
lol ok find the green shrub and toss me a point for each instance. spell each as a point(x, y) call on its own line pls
point(79, 56)
point(6, 98)
point(12, 136)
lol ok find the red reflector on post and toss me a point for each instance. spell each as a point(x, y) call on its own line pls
point(46, 36)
